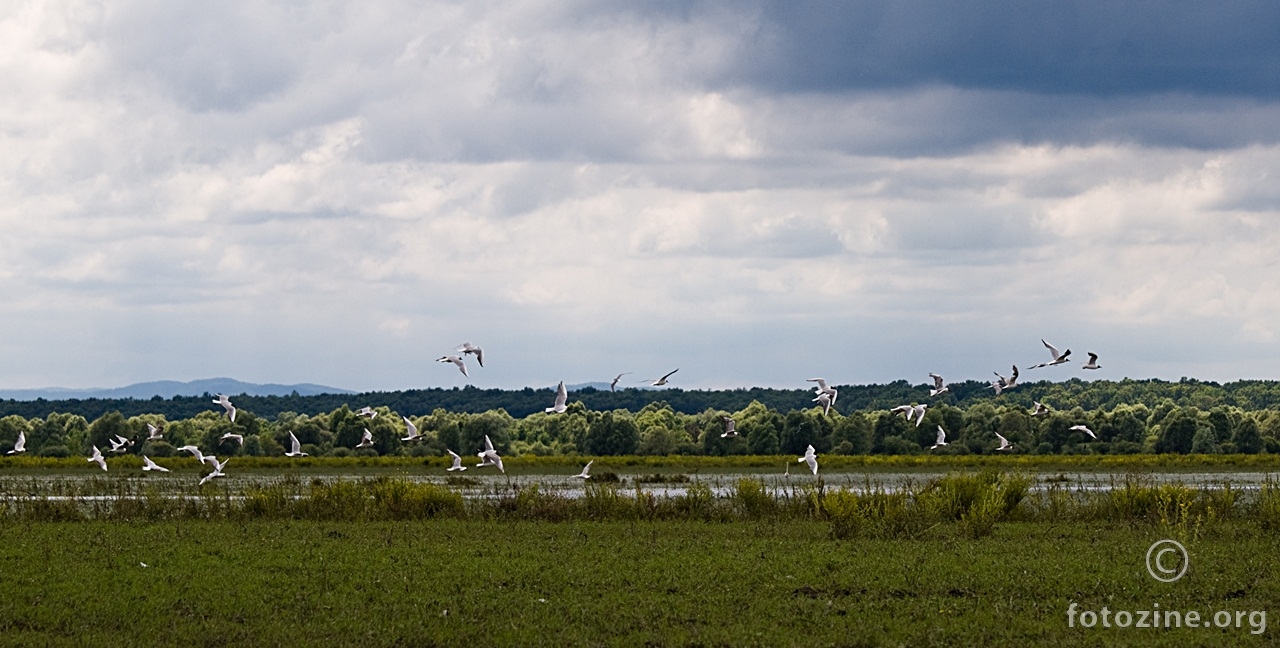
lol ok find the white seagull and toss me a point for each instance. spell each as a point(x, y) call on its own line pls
point(20, 445)
point(941, 440)
point(1093, 362)
point(938, 387)
point(226, 405)
point(232, 436)
point(823, 388)
point(154, 433)
point(1085, 430)
point(457, 461)
point(119, 444)
point(367, 412)
point(1058, 358)
point(489, 456)
point(413, 430)
point(1039, 409)
point(912, 411)
point(296, 450)
point(613, 386)
point(1004, 443)
point(195, 452)
point(148, 465)
point(824, 399)
point(562, 396)
point(1003, 383)
point(217, 469)
point(468, 348)
point(97, 458)
point(810, 458)
point(366, 441)
point(730, 428)
point(457, 361)
point(583, 474)
point(658, 382)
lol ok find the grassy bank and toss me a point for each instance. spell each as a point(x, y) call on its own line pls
point(669, 583)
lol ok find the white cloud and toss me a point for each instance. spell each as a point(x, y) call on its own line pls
point(392, 178)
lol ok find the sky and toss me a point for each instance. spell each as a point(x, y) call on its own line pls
point(754, 192)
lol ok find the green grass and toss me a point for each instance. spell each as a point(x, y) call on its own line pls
point(669, 583)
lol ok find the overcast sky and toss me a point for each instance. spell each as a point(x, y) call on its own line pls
point(754, 192)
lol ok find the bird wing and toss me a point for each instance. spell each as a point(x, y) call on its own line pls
point(562, 395)
point(669, 375)
point(1093, 358)
point(822, 384)
point(942, 436)
point(293, 441)
point(488, 445)
point(937, 380)
point(1053, 350)
point(413, 429)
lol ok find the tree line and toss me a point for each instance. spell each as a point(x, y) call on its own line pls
point(1205, 395)
point(660, 427)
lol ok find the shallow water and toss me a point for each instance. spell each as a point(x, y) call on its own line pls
point(483, 484)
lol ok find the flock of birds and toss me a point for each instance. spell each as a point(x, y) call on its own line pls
point(825, 397)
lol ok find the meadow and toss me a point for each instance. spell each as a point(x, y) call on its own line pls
point(967, 557)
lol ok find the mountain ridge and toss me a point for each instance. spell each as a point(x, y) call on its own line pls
point(171, 388)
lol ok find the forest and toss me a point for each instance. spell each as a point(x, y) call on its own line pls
point(1128, 417)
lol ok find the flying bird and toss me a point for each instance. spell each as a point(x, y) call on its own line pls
point(232, 436)
point(824, 399)
point(562, 396)
point(904, 410)
point(810, 458)
point(195, 452)
point(823, 388)
point(119, 444)
point(457, 361)
point(1004, 443)
point(20, 445)
point(583, 474)
point(457, 461)
point(489, 456)
point(613, 386)
point(296, 450)
point(1092, 363)
point(217, 469)
point(1086, 430)
point(367, 412)
point(413, 430)
point(468, 348)
point(938, 387)
point(227, 406)
point(98, 459)
point(1058, 358)
point(660, 381)
point(730, 428)
point(148, 465)
point(1040, 409)
point(154, 433)
point(366, 441)
point(1001, 383)
point(941, 440)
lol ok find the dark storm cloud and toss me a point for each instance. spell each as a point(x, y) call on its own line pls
point(1100, 48)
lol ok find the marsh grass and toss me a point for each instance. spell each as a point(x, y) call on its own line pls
point(962, 504)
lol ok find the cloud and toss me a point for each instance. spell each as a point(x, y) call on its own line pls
point(340, 193)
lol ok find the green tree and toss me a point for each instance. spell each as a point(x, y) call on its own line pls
point(611, 435)
point(1246, 436)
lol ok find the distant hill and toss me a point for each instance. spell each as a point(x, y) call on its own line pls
point(171, 388)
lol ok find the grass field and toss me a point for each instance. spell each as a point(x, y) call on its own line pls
point(668, 583)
